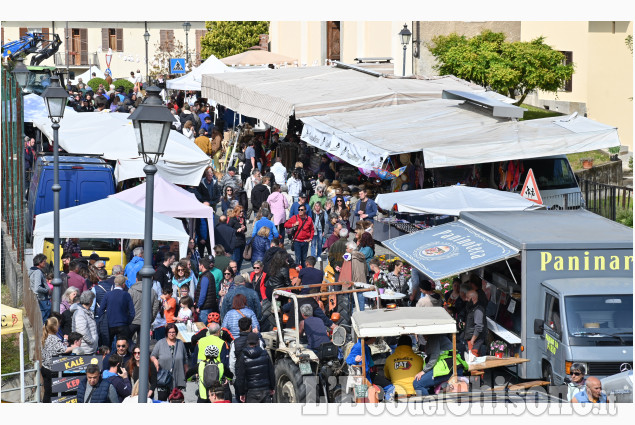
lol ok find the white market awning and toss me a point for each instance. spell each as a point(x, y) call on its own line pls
point(109, 218)
point(452, 200)
point(275, 95)
point(450, 132)
point(111, 136)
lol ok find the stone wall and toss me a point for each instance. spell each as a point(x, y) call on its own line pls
point(12, 274)
point(609, 173)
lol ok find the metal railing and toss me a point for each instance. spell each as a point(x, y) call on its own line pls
point(34, 314)
point(606, 199)
point(566, 201)
point(12, 162)
point(36, 369)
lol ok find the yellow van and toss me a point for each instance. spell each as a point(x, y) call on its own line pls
point(109, 250)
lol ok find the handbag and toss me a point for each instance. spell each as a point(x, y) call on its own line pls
point(164, 377)
point(248, 251)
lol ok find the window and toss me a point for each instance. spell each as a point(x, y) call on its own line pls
point(552, 314)
point(76, 41)
point(568, 60)
point(112, 38)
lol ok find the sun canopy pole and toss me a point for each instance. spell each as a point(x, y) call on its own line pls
point(511, 272)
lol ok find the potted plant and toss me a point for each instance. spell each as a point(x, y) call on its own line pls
point(614, 151)
point(498, 348)
point(587, 163)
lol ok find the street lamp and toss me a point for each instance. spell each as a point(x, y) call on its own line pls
point(186, 27)
point(21, 72)
point(151, 122)
point(405, 35)
point(146, 37)
point(55, 97)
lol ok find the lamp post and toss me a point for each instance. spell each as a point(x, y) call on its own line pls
point(151, 122)
point(21, 72)
point(186, 27)
point(146, 37)
point(405, 35)
point(55, 97)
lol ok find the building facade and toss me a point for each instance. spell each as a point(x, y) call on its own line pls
point(86, 43)
point(602, 84)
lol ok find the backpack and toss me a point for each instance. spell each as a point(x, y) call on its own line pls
point(211, 374)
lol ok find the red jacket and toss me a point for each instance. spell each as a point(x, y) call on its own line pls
point(305, 233)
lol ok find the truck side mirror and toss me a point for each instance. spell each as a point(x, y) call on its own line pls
point(539, 326)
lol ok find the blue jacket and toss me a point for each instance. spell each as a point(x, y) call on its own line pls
point(212, 189)
point(123, 386)
point(259, 246)
point(233, 316)
point(131, 270)
point(226, 236)
point(371, 210)
point(120, 308)
point(265, 222)
point(99, 394)
point(252, 300)
point(356, 351)
point(294, 209)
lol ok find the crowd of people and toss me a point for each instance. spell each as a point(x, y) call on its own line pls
point(275, 226)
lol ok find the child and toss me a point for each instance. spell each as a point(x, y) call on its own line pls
point(185, 312)
point(169, 305)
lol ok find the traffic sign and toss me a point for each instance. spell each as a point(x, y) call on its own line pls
point(530, 188)
point(177, 66)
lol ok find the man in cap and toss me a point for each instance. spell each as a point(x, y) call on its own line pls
point(231, 179)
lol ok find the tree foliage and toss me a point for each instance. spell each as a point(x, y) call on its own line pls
point(510, 68)
point(171, 49)
point(227, 38)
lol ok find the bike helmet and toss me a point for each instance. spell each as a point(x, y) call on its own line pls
point(211, 351)
point(213, 317)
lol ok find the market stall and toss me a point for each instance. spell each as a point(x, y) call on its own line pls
point(111, 136)
point(109, 218)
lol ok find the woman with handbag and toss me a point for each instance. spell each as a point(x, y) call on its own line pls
point(259, 245)
point(133, 371)
point(170, 358)
point(237, 221)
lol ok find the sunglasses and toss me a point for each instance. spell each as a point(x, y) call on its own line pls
point(576, 373)
point(122, 346)
point(301, 209)
point(256, 268)
point(227, 274)
point(137, 352)
point(339, 200)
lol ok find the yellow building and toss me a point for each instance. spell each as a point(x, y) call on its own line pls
point(602, 85)
point(313, 43)
point(86, 43)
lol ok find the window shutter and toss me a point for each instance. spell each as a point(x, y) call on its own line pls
point(162, 39)
point(2, 36)
point(104, 39)
point(199, 35)
point(119, 39)
point(83, 37)
point(23, 31)
point(170, 40)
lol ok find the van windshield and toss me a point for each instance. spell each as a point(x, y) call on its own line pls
point(99, 244)
point(550, 173)
point(601, 317)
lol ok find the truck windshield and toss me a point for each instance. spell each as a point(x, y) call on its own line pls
point(600, 316)
point(99, 244)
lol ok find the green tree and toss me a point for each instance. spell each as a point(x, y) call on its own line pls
point(227, 38)
point(513, 69)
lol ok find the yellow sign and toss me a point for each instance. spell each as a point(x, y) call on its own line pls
point(552, 344)
point(11, 320)
point(584, 262)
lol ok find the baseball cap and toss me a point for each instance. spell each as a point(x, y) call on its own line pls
point(232, 168)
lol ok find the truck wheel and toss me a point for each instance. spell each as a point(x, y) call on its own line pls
point(547, 373)
point(268, 321)
point(344, 309)
point(289, 386)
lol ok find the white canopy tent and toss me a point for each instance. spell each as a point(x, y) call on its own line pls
point(170, 200)
point(192, 80)
point(111, 136)
point(452, 200)
point(450, 132)
point(275, 95)
point(87, 76)
point(35, 108)
point(109, 218)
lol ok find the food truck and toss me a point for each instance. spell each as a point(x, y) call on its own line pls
point(560, 284)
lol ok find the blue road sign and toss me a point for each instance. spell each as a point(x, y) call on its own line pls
point(177, 66)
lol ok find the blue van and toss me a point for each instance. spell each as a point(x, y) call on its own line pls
point(83, 180)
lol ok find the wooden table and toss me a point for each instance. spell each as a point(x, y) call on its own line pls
point(492, 362)
point(185, 336)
